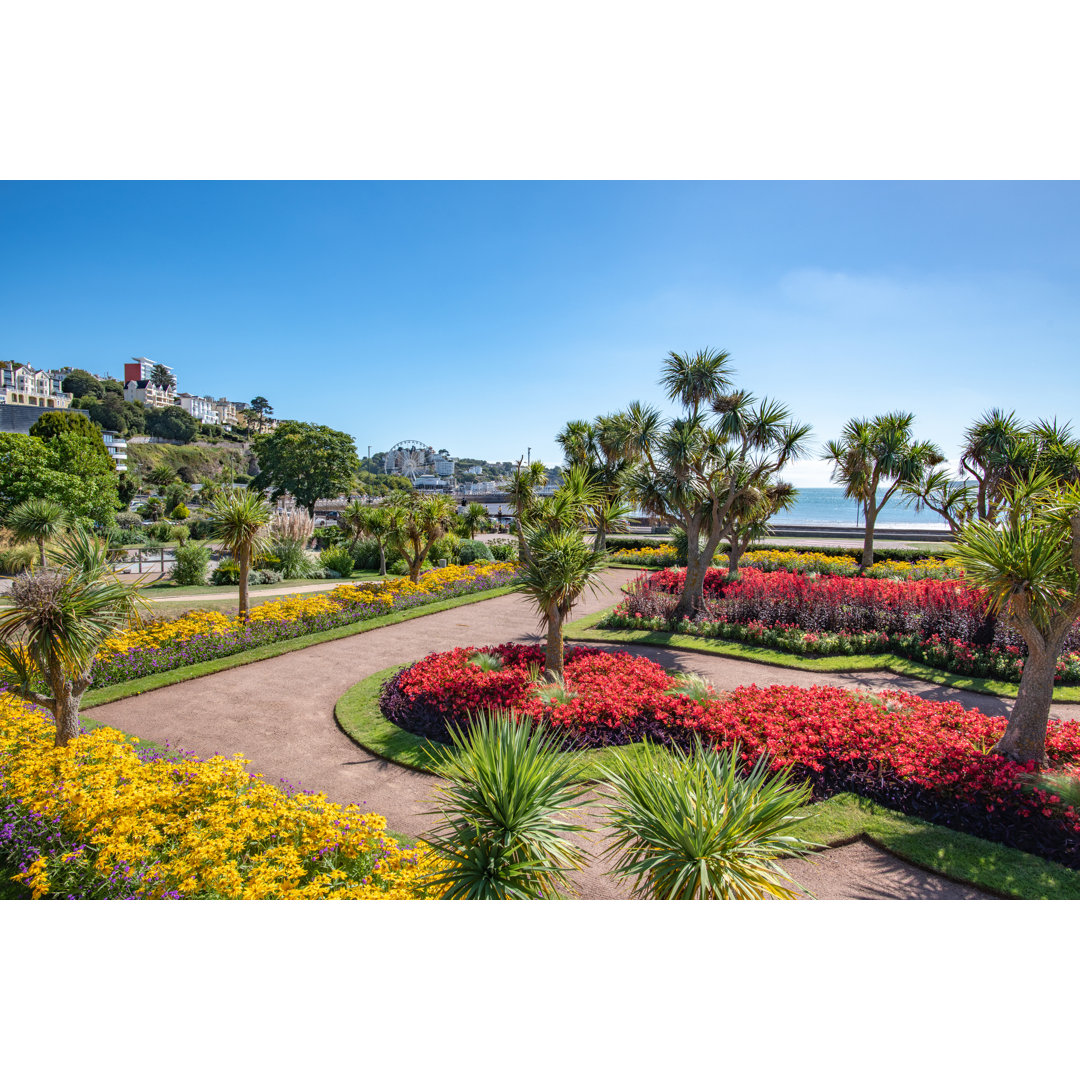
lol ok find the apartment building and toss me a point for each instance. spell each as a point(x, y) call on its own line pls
point(141, 368)
point(151, 395)
point(202, 408)
point(21, 384)
point(116, 444)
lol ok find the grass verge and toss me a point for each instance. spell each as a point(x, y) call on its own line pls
point(585, 629)
point(277, 648)
point(966, 859)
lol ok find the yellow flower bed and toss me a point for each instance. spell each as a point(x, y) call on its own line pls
point(195, 828)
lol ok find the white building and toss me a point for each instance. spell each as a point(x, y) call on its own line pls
point(117, 447)
point(21, 384)
point(202, 408)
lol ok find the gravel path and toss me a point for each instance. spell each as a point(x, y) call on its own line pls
point(278, 713)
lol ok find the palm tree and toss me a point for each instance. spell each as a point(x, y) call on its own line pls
point(691, 826)
point(161, 376)
point(503, 832)
point(559, 568)
point(374, 522)
point(238, 519)
point(713, 472)
point(55, 622)
point(39, 520)
point(417, 521)
point(872, 452)
point(474, 519)
point(1030, 566)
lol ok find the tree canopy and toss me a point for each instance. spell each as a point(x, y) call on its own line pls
point(51, 424)
point(172, 423)
point(69, 469)
point(81, 383)
point(307, 461)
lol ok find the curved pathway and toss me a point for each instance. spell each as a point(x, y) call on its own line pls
point(278, 713)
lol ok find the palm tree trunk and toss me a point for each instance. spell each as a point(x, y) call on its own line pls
point(382, 561)
point(67, 718)
point(41, 549)
point(600, 541)
point(245, 564)
point(553, 653)
point(1025, 734)
point(868, 537)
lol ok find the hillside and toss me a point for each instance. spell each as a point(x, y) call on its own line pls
point(193, 461)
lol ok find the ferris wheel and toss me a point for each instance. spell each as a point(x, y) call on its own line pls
point(408, 457)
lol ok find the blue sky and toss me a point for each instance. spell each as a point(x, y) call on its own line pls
point(480, 317)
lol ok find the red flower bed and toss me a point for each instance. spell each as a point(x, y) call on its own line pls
point(922, 757)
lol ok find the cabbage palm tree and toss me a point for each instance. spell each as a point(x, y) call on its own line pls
point(559, 568)
point(238, 519)
point(704, 471)
point(870, 453)
point(39, 520)
point(54, 623)
point(417, 521)
point(474, 519)
point(1030, 566)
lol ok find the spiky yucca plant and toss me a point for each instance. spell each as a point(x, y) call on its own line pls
point(693, 686)
point(690, 826)
point(486, 661)
point(500, 832)
point(39, 520)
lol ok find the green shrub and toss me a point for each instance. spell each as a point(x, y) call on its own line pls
point(446, 547)
point(290, 558)
point(161, 531)
point(504, 833)
point(180, 534)
point(179, 513)
point(14, 560)
point(227, 572)
point(365, 555)
point(474, 551)
point(338, 559)
point(127, 520)
point(691, 826)
point(192, 562)
point(400, 567)
point(128, 536)
point(504, 550)
point(201, 527)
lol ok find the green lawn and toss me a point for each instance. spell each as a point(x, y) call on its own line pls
point(967, 859)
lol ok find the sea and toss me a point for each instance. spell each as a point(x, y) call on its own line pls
point(828, 506)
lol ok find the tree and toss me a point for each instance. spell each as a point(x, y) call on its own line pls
point(108, 412)
point(172, 423)
point(238, 519)
point(713, 471)
point(418, 520)
point(40, 521)
point(474, 519)
point(374, 522)
point(62, 421)
point(55, 623)
point(69, 469)
point(1030, 567)
point(602, 448)
point(161, 376)
point(161, 476)
point(307, 461)
point(559, 568)
point(126, 489)
point(870, 453)
point(80, 383)
point(998, 451)
point(260, 409)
